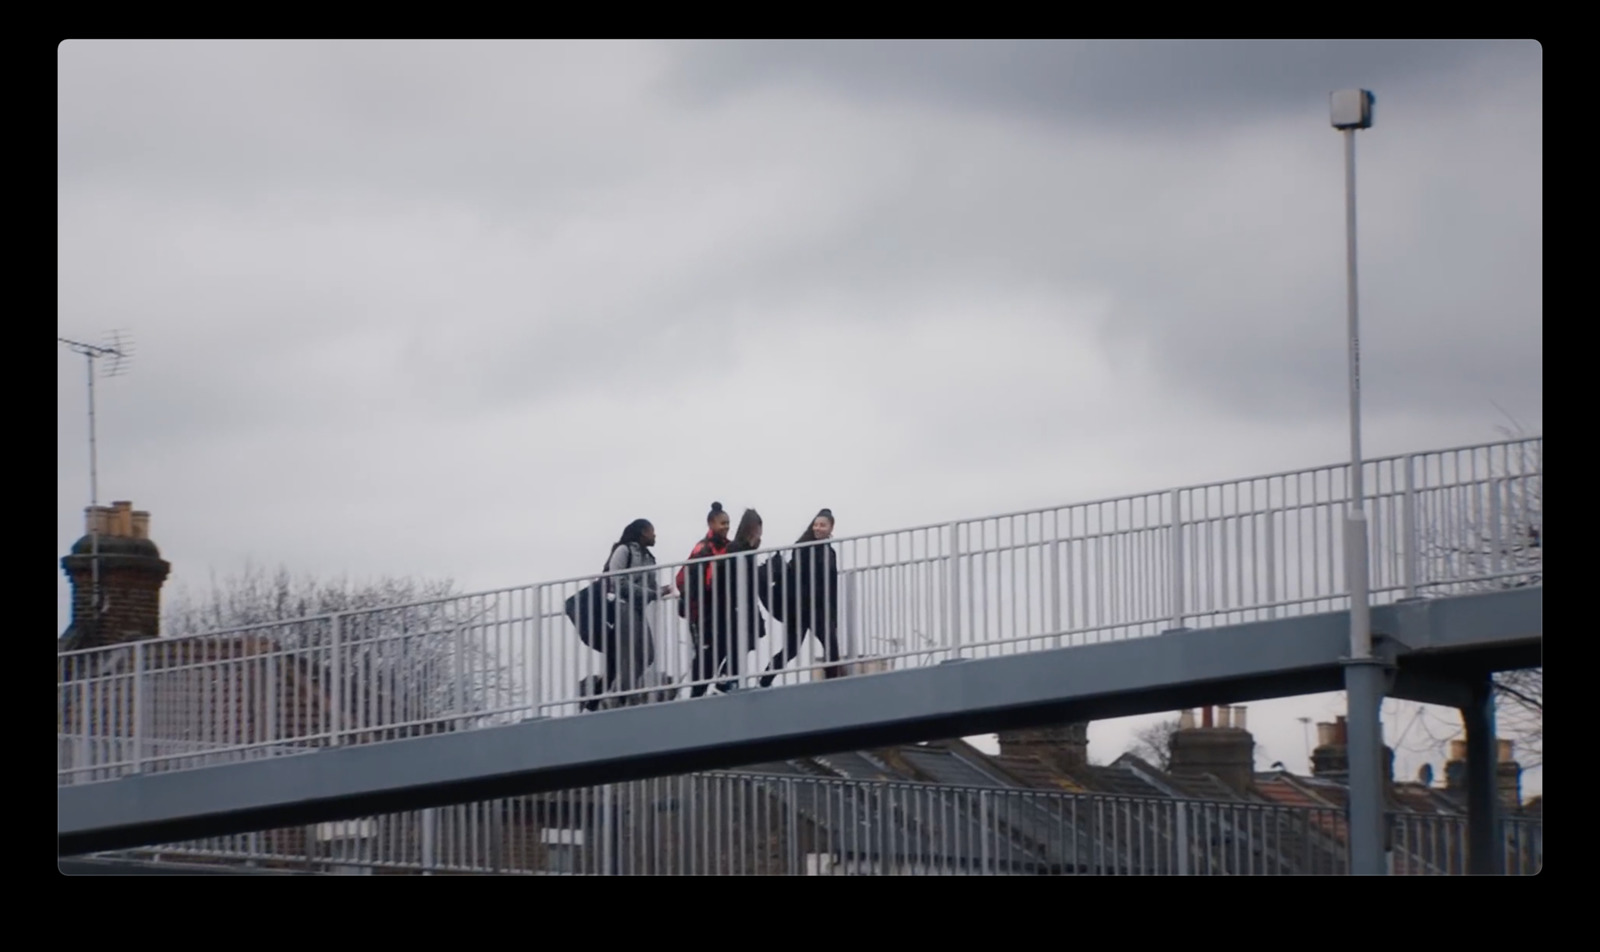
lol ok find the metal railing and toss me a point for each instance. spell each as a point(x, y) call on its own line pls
point(743, 824)
point(1441, 523)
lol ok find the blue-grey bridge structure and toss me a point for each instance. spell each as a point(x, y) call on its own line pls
point(1215, 594)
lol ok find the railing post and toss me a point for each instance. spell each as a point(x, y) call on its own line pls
point(953, 619)
point(336, 690)
point(791, 815)
point(851, 647)
point(430, 826)
point(1410, 556)
point(88, 755)
point(1177, 561)
point(458, 689)
point(741, 620)
point(536, 654)
point(138, 706)
point(983, 832)
point(1055, 590)
point(1497, 538)
point(271, 689)
point(1271, 559)
point(1182, 834)
point(607, 831)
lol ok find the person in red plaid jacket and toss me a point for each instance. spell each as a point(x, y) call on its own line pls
point(695, 601)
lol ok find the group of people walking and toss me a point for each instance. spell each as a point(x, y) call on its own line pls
point(722, 601)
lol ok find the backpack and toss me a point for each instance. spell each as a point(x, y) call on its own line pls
point(593, 610)
point(772, 583)
point(593, 614)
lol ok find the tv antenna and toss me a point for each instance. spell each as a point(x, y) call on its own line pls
point(119, 352)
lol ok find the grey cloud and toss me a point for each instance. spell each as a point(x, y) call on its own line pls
point(256, 123)
point(1181, 85)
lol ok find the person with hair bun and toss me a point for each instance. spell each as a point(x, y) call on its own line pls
point(695, 600)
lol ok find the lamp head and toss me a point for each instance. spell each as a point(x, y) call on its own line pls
point(1352, 109)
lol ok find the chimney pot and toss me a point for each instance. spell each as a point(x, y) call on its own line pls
point(1185, 720)
point(96, 520)
point(1224, 717)
point(1238, 717)
point(1341, 734)
point(1458, 750)
point(1324, 734)
point(1504, 750)
point(141, 525)
point(1205, 716)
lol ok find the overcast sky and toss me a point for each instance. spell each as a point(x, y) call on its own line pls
point(465, 309)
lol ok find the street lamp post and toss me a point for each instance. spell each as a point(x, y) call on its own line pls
point(1351, 109)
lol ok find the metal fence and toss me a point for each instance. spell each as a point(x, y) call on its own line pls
point(740, 824)
point(1441, 523)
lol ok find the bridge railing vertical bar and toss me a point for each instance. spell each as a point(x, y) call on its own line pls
point(1175, 567)
point(969, 551)
point(458, 677)
point(952, 638)
point(1410, 544)
point(1210, 559)
point(139, 694)
point(1382, 506)
point(538, 651)
point(1270, 557)
point(1018, 606)
point(1181, 837)
point(1497, 534)
point(975, 630)
point(1057, 584)
point(272, 692)
point(336, 681)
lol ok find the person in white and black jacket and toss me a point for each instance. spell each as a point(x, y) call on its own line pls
point(809, 600)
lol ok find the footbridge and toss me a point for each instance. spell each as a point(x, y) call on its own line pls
point(1213, 594)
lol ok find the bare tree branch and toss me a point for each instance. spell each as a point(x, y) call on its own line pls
point(1534, 702)
point(410, 663)
point(1153, 744)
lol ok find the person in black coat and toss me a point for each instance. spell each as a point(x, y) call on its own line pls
point(734, 632)
point(810, 599)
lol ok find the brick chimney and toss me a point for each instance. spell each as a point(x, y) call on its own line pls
point(1455, 768)
point(131, 575)
point(1219, 745)
point(1508, 773)
point(1064, 746)
point(1331, 758)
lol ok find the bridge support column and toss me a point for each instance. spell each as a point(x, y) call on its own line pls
point(1364, 687)
point(1484, 843)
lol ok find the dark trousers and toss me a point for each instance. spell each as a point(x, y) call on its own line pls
point(704, 666)
point(630, 650)
point(825, 631)
point(718, 651)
